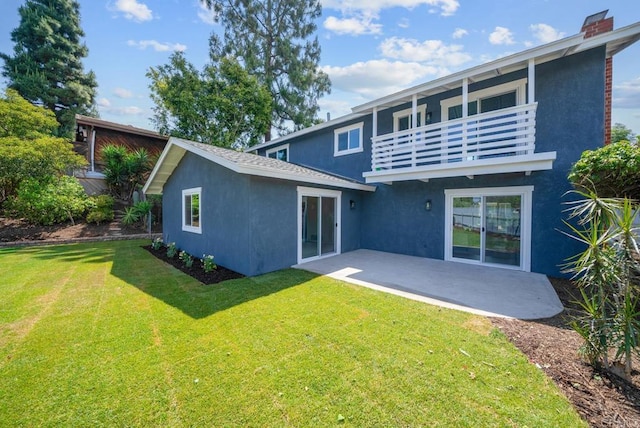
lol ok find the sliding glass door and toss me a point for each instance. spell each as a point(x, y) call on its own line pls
point(318, 224)
point(488, 228)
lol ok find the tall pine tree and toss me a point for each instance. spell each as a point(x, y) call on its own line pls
point(274, 39)
point(46, 66)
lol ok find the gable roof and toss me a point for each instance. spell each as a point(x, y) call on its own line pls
point(614, 41)
point(242, 163)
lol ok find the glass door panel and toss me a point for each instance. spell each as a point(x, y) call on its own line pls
point(467, 227)
point(328, 221)
point(310, 226)
point(502, 229)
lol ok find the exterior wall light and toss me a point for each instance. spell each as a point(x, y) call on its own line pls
point(427, 205)
point(352, 204)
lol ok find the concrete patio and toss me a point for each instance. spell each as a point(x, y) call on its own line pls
point(478, 289)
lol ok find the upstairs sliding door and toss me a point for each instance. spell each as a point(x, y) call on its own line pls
point(318, 223)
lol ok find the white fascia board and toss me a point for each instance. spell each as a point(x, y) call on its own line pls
point(285, 175)
point(526, 163)
point(159, 175)
point(630, 32)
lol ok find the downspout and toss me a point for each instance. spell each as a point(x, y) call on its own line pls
point(92, 144)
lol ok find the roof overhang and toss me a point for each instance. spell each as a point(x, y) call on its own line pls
point(104, 124)
point(176, 148)
point(615, 41)
point(502, 165)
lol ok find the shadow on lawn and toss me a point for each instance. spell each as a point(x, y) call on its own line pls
point(199, 301)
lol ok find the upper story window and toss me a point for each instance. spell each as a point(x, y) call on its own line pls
point(348, 139)
point(493, 98)
point(402, 119)
point(280, 153)
point(191, 210)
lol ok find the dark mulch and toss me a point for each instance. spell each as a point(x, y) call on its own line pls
point(602, 399)
point(195, 271)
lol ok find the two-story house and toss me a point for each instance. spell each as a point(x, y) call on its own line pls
point(471, 167)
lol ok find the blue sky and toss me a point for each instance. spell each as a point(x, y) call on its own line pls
point(369, 47)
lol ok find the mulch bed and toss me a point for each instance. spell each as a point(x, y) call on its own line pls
point(602, 399)
point(196, 271)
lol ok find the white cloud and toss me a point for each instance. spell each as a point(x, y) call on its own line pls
point(122, 93)
point(205, 14)
point(501, 36)
point(336, 108)
point(627, 94)
point(445, 7)
point(157, 46)
point(459, 33)
point(133, 10)
point(127, 111)
point(103, 102)
point(354, 26)
point(433, 52)
point(376, 78)
point(404, 23)
point(545, 33)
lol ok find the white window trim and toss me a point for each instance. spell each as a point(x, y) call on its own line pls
point(525, 232)
point(422, 109)
point(339, 131)
point(277, 149)
point(519, 86)
point(185, 227)
point(313, 191)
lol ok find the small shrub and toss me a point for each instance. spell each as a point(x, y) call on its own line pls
point(172, 250)
point(186, 259)
point(101, 209)
point(139, 212)
point(60, 199)
point(207, 263)
point(156, 244)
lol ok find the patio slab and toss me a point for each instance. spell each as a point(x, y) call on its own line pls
point(482, 290)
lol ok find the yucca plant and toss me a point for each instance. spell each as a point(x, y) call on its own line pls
point(607, 272)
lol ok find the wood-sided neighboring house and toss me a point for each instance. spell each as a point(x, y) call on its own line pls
point(471, 167)
point(93, 134)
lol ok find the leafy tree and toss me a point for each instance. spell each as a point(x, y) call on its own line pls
point(222, 105)
point(27, 147)
point(274, 40)
point(610, 171)
point(620, 132)
point(46, 66)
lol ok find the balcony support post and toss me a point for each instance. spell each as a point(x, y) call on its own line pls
point(414, 124)
point(531, 80)
point(374, 134)
point(465, 114)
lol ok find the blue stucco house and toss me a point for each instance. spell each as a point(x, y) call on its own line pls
point(470, 167)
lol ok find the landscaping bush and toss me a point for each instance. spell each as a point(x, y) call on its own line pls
point(138, 213)
point(101, 209)
point(125, 171)
point(55, 201)
point(612, 171)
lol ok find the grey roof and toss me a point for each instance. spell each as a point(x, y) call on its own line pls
point(242, 163)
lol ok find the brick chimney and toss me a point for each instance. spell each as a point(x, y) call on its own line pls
point(594, 25)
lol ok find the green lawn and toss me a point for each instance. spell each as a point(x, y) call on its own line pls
point(106, 335)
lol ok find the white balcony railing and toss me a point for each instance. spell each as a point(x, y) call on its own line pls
point(500, 133)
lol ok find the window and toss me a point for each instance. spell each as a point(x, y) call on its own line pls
point(402, 119)
point(348, 140)
point(191, 210)
point(493, 98)
point(280, 153)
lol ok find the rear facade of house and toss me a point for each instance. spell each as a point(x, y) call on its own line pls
point(471, 167)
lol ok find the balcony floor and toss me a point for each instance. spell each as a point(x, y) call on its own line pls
point(477, 289)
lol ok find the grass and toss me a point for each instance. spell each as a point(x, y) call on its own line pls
point(106, 335)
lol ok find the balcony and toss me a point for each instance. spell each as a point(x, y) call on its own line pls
point(501, 141)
